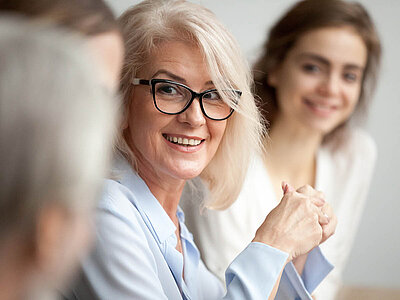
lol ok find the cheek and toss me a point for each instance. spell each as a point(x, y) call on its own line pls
point(217, 130)
point(352, 98)
point(142, 119)
point(294, 84)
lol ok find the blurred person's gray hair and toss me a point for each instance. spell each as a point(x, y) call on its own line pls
point(56, 123)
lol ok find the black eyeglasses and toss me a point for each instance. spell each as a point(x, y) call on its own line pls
point(173, 98)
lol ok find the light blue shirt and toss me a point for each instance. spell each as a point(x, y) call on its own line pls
point(135, 255)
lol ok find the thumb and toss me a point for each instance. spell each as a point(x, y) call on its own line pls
point(287, 188)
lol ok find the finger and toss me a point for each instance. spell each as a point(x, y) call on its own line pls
point(286, 188)
point(327, 209)
point(328, 230)
point(319, 202)
point(306, 190)
point(310, 191)
point(323, 219)
point(319, 194)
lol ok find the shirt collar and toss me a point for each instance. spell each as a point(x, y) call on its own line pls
point(162, 225)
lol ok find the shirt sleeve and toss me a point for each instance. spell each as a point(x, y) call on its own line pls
point(294, 286)
point(254, 272)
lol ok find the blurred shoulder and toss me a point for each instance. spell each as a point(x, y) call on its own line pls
point(355, 145)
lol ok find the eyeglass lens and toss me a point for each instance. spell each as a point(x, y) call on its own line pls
point(173, 98)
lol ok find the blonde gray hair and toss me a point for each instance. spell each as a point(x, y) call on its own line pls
point(152, 22)
point(56, 123)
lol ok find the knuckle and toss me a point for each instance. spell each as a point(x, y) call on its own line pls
point(308, 188)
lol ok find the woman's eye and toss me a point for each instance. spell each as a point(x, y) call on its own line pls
point(311, 68)
point(167, 90)
point(350, 77)
point(212, 96)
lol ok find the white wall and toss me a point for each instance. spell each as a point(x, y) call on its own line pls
point(375, 258)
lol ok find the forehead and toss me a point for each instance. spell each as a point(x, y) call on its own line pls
point(336, 44)
point(183, 58)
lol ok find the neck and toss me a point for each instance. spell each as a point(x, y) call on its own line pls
point(166, 189)
point(291, 152)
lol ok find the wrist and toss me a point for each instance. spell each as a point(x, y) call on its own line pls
point(275, 243)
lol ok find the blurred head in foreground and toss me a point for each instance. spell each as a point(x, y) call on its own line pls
point(56, 126)
point(92, 19)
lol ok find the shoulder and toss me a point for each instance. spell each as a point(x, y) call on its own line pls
point(117, 211)
point(115, 196)
point(356, 146)
point(360, 141)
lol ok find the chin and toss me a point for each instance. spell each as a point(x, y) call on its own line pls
point(321, 127)
point(187, 172)
point(187, 175)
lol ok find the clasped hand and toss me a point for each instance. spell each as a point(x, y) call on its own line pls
point(301, 221)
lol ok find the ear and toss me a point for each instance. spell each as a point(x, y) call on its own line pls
point(273, 77)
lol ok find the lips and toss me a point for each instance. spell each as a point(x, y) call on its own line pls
point(319, 107)
point(183, 141)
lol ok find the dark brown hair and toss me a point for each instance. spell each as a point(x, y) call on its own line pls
point(88, 17)
point(306, 16)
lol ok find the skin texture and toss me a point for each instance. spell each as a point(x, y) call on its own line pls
point(294, 226)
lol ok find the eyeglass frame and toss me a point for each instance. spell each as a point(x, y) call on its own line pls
point(154, 81)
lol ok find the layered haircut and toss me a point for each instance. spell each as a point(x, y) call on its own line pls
point(56, 124)
point(150, 23)
point(304, 17)
point(88, 17)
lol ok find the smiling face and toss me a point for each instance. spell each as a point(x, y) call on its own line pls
point(172, 146)
point(318, 83)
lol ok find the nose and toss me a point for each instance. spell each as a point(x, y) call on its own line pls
point(193, 115)
point(330, 85)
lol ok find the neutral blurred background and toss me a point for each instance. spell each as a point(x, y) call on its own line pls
point(374, 264)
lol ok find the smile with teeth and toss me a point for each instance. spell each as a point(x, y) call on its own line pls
point(320, 106)
point(182, 141)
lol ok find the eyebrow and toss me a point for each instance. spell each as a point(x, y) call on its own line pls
point(326, 62)
point(176, 77)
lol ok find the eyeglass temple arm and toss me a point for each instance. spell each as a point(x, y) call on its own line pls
point(138, 81)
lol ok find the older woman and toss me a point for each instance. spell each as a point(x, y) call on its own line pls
point(316, 73)
point(188, 112)
point(52, 156)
